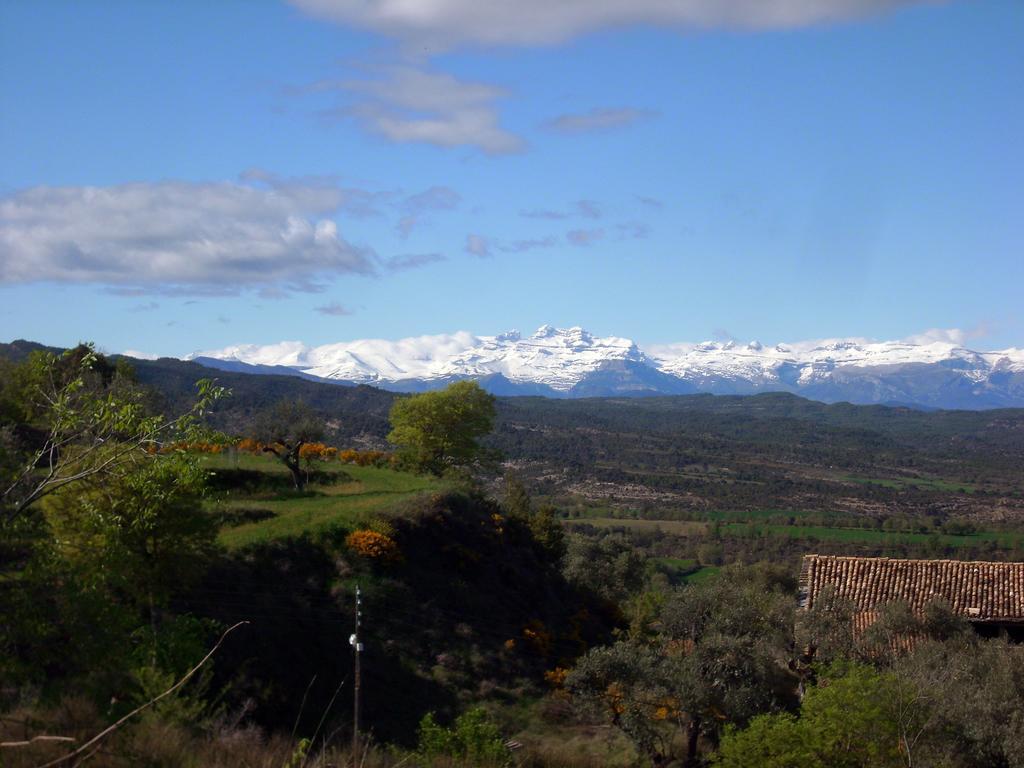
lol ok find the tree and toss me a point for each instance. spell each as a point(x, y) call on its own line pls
point(609, 567)
point(77, 435)
point(438, 431)
point(720, 658)
point(844, 722)
point(66, 418)
point(638, 690)
point(144, 532)
point(284, 429)
point(543, 523)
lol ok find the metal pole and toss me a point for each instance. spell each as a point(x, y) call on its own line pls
point(358, 647)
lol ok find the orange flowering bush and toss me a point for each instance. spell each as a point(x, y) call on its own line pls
point(376, 546)
point(317, 452)
point(248, 445)
point(366, 458)
point(538, 637)
point(556, 677)
point(195, 447)
point(667, 709)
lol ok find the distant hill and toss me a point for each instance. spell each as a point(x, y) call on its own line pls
point(766, 450)
point(354, 414)
point(572, 363)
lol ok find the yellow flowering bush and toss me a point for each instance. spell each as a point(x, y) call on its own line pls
point(376, 546)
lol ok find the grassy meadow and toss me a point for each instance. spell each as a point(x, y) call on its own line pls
point(264, 506)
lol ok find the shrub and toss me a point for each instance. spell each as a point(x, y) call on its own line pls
point(474, 737)
point(376, 546)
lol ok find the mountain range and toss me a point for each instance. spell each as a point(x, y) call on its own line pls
point(570, 362)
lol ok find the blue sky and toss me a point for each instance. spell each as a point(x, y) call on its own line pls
point(188, 175)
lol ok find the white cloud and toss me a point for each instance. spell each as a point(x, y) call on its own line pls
point(478, 246)
point(406, 104)
point(177, 237)
point(584, 237)
point(520, 246)
point(411, 261)
point(633, 230)
point(599, 119)
point(443, 23)
point(334, 309)
point(585, 208)
point(956, 336)
point(416, 206)
point(140, 355)
point(434, 199)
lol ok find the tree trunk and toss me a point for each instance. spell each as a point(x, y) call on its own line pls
point(290, 458)
point(692, 734)
point(293, 467)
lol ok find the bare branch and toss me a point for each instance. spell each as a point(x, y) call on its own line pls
point(110, 729)
point(33, 740)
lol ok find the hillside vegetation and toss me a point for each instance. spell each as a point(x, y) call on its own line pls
point(536, 614)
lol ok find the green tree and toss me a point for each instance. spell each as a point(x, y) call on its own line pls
point(65, 418)
point(80, 441)
point(284, 429)
point(144, 533)
point(438, 431)
point(719, 658)
point(544, 524)
point(845, 722)
point(610, 567)
point(639, 690)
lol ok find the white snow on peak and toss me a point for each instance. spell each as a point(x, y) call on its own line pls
point(562, 357)
point(553, 356)
point(290, 353)
point(817, 360)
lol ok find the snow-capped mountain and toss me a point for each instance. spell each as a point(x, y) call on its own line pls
point(572, 363)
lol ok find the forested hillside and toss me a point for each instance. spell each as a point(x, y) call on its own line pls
point(619, 592)
point(689, 452)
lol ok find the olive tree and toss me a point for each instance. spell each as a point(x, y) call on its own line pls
point(720, 657)
point(284, 429)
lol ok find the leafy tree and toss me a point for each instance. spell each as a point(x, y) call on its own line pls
point(845, 722)
point(144, 533)
point(517, 500)
point(438, 431)
point(609, 567)
point(639, 690)
point(65, 418)
point(980, 704)
point(544, 524)
point(91, 513)
point(284, 430)
point(719, 658)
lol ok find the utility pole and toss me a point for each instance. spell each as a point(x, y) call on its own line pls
point(357, 646)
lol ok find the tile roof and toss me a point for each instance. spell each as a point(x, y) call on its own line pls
point(980, 591)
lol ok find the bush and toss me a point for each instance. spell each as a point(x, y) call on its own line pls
point(473, 737)
point(376, 546)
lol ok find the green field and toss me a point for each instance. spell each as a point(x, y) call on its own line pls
point(750, 524)
point(743, 515)
point(828, 533)
point(702, 574)
point(679, 527)
point(351, 498)
point(922, 483)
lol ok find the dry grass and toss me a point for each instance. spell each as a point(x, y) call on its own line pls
point(151, 742)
